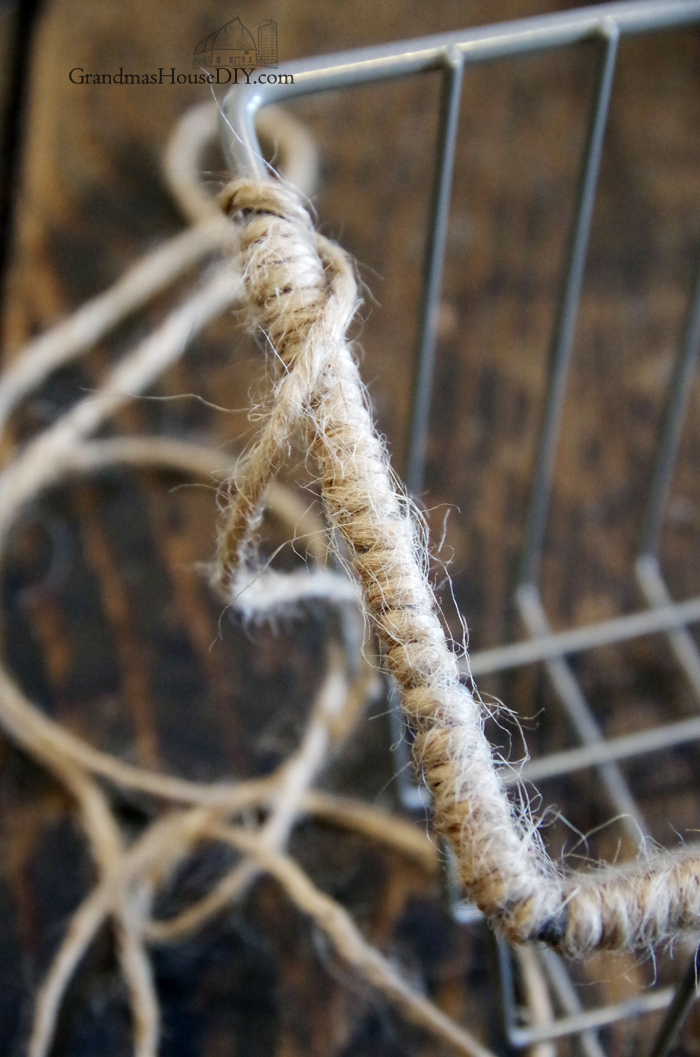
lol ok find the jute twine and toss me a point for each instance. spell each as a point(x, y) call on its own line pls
point(300, 292)
point(187, 814)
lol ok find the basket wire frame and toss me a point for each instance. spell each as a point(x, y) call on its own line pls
point(450, 53)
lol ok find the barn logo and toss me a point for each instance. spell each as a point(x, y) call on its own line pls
point(234, 47)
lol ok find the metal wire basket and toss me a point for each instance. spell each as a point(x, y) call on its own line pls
point(662, 615)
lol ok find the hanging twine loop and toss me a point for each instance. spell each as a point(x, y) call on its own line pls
point(301, 295)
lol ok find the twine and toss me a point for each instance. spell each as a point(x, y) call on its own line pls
point(298, 288)
point(299, 291)
point(130, 874)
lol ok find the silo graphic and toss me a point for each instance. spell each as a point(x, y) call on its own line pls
point(267, 43)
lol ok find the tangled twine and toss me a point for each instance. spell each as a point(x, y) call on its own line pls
point(191, 814)
point(300, 292)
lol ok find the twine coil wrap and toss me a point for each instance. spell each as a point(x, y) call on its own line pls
point(300, 292)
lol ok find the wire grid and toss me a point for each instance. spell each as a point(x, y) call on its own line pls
point(450, 53)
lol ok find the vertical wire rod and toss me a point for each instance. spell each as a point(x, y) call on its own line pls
point(567, 995)
point(654, 587)
point(677, 1012)
point(567, 310)
point(508, 999)
point(671, 431)
point(680, 639)
point(434, 265)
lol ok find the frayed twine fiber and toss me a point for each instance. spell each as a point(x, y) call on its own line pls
point(299, 291)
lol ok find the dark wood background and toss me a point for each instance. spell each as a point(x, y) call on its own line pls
point(109, 627)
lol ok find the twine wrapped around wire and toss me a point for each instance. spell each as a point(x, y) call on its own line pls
point(129, 874)
point(299, 289)
point(300, 292)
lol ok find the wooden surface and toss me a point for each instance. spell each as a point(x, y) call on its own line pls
point(106, 621)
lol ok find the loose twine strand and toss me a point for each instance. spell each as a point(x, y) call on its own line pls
point(192, 814)
point(299, 290)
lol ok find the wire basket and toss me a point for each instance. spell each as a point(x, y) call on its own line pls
point(567, 1013)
